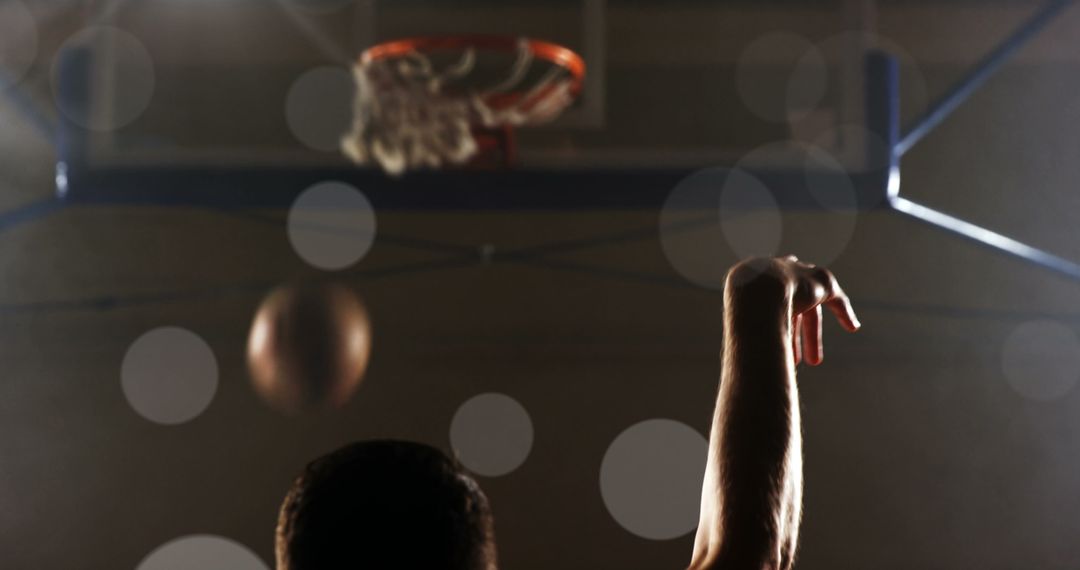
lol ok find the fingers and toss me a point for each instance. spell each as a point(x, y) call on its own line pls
point(815, 286)
point(813, 350)
point(796, 346)
point(840, 306)
point(827, 291)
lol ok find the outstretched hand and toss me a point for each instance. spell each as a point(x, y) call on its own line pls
point(807, 288)
point(751, 501)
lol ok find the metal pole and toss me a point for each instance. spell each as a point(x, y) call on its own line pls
point(985, 237)
point(990, 64)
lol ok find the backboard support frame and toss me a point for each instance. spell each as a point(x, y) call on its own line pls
point(876, 189)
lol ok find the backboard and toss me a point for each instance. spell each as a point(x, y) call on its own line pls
point(671, 85)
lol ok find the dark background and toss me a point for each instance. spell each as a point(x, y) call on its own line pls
point(919, 453)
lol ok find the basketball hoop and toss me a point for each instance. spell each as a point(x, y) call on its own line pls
point(443, 100)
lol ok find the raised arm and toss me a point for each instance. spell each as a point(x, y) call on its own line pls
point(751, 503)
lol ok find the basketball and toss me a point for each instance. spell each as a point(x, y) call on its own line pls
point(308, 346)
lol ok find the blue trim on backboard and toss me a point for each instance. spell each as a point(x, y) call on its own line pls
point(262, 187)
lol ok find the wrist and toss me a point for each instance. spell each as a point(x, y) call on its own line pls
point(757, 297)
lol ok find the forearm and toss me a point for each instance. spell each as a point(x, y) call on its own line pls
point(750, 503)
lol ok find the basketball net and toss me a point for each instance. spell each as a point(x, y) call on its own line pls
point(408, 115)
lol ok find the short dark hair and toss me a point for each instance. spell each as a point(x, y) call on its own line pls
point(385, 504)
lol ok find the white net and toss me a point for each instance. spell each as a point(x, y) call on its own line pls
point(404, 118)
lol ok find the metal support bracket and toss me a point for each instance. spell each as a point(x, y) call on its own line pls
point(935, 115)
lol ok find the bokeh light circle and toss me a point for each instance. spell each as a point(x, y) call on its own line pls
point(749, 216)
point(169, 375)
point(1041, 360)
point(781, 76)
point(854, 147)
point(205, 552)
point(651, 478)
point(18, 41)
point(846, 49)
point(331, 225)
point(822, 229)
point(715, 217)
point(318, 107)
point(130, 86)
point(491, 434)
point(829, 182)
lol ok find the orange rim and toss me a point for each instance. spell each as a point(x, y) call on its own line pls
point(554, 53)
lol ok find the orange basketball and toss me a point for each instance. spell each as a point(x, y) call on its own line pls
point(309, 346)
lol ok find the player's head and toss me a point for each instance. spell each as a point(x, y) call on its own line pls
point(385, 504)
